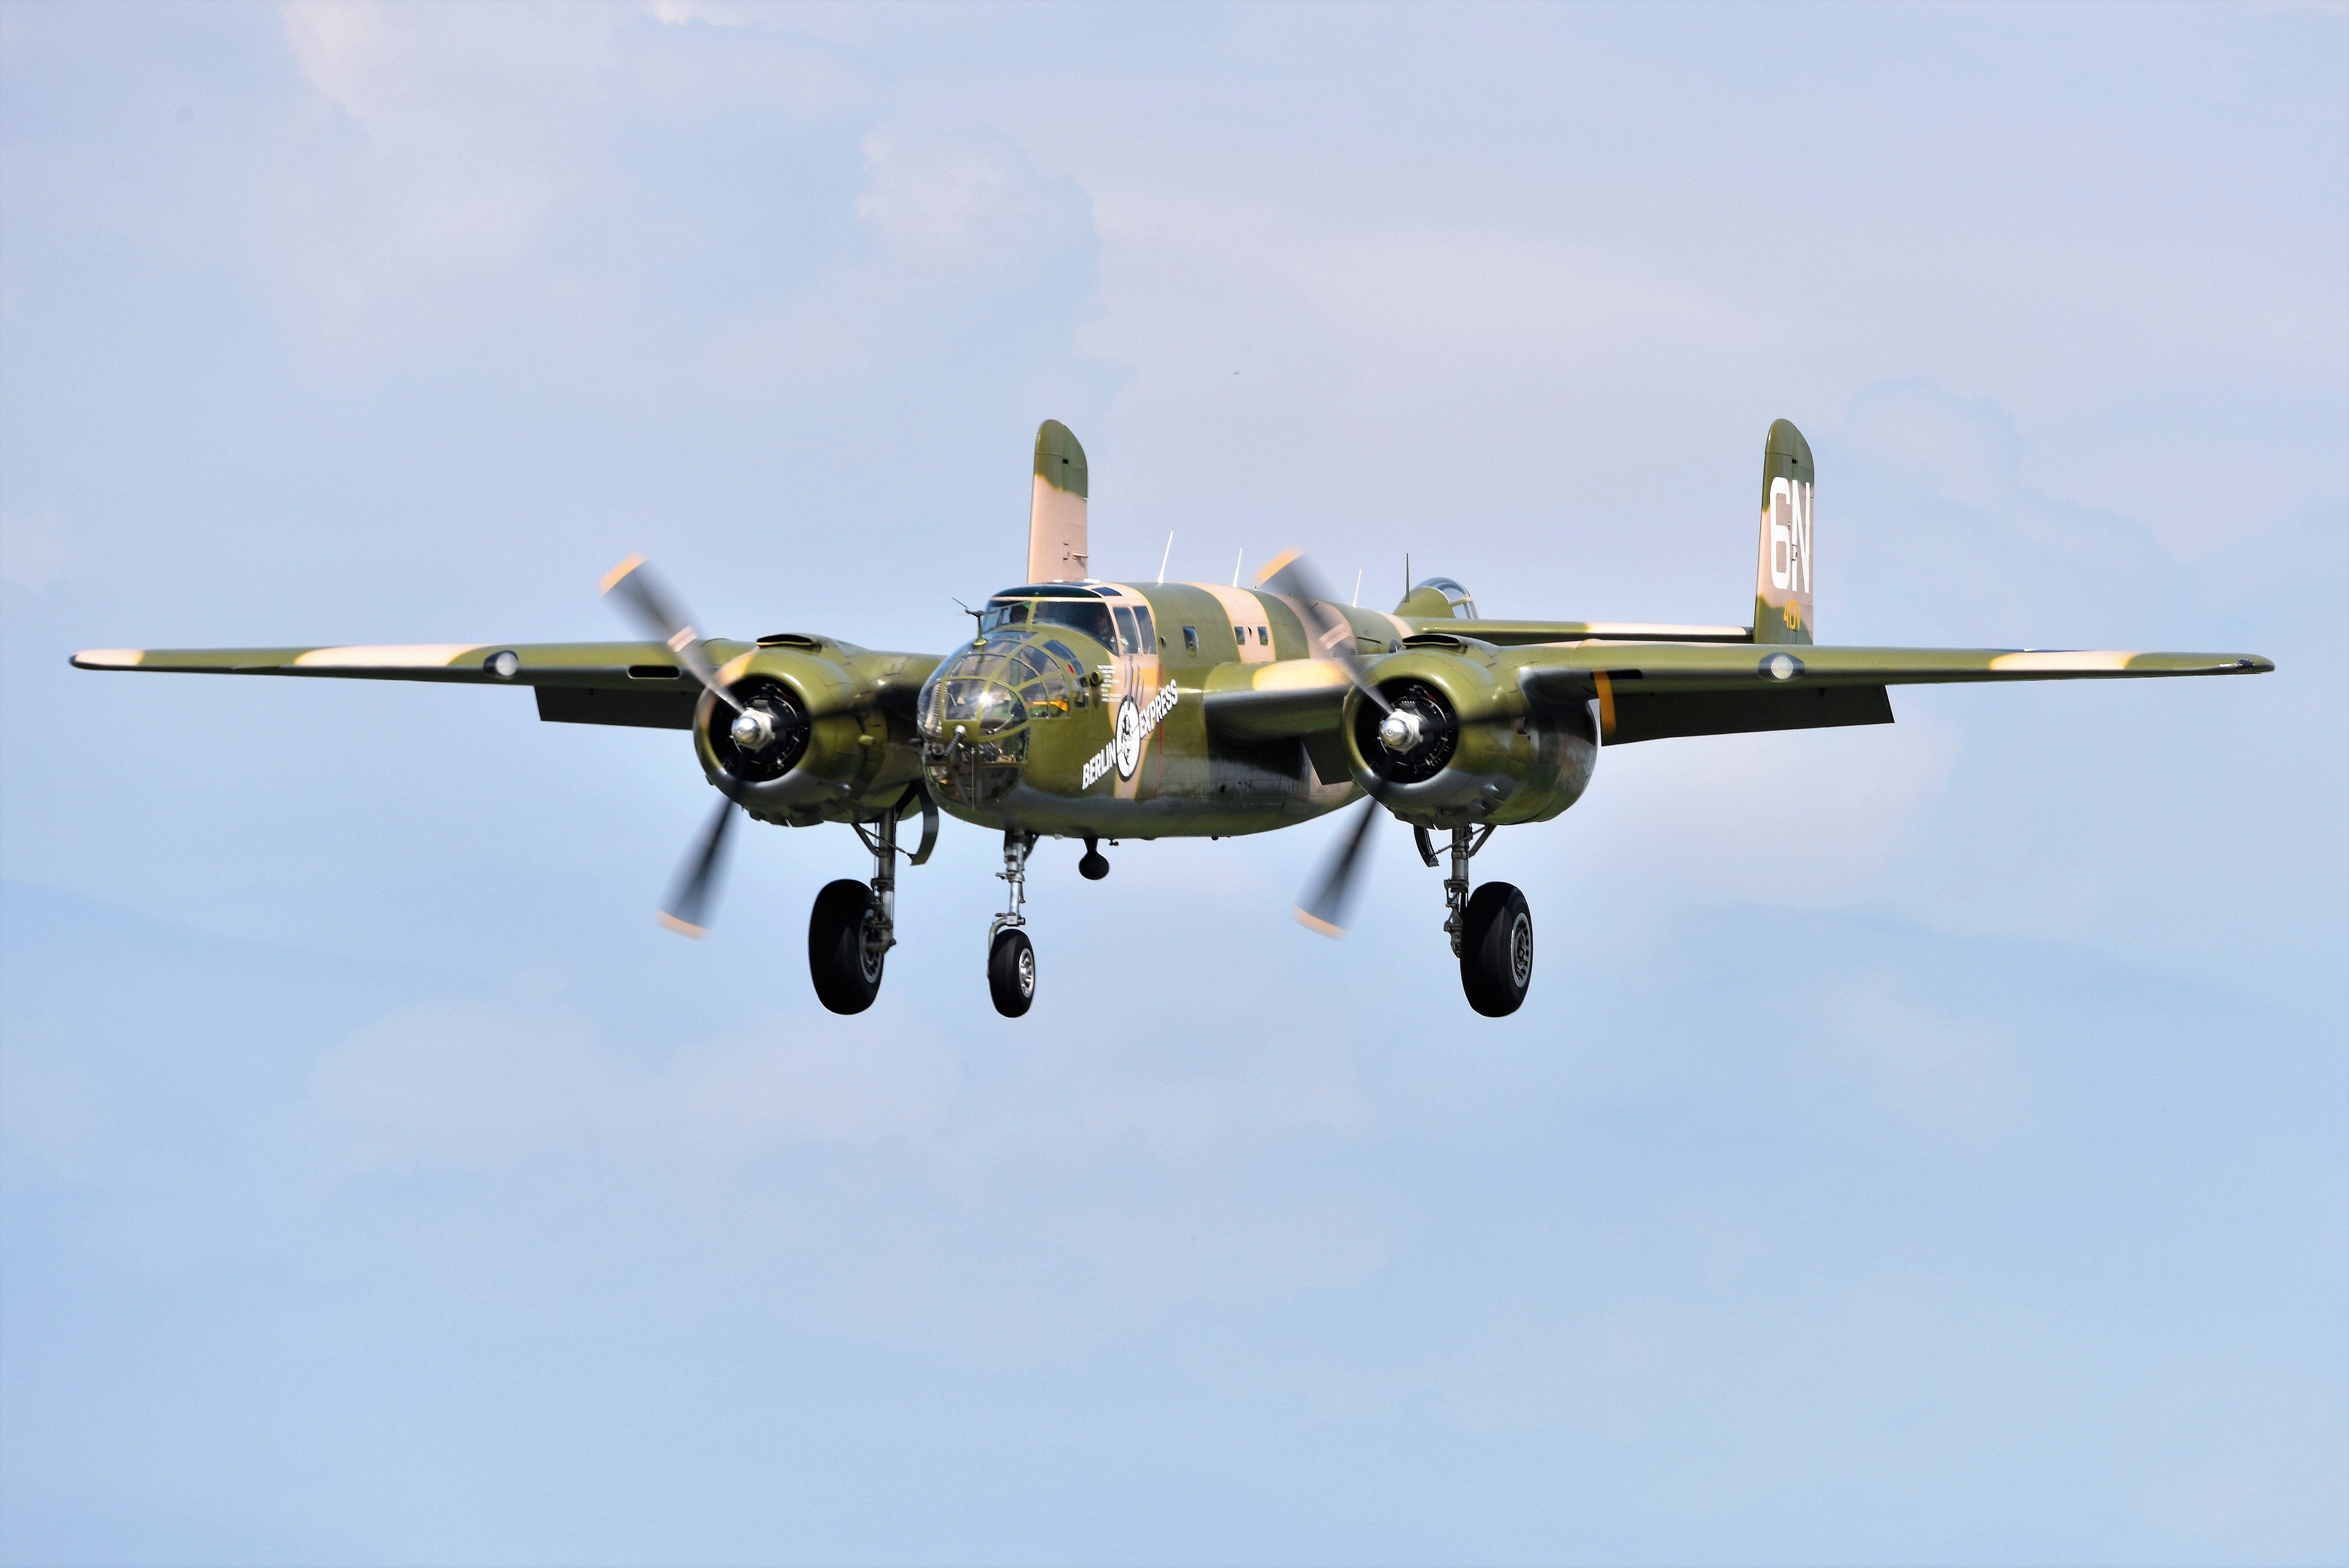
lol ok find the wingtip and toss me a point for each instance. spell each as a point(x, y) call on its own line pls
point(107, 659)
point(612, 578)
point(1312, 923)
point(683, 928)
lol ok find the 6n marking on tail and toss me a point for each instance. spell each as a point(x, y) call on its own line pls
point(1790, 536)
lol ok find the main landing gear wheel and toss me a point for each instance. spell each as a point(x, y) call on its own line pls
point(846, 947)
point(1012, 971)
point(1497, 950)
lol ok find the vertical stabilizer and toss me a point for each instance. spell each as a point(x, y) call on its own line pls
point(1782, 581)
point(1057, 550)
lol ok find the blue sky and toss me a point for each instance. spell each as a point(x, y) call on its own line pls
point(1920, 1145)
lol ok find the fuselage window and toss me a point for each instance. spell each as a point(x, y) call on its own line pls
point(1240, 632)
point(1190, 639)
point(1090, 617)
point(1264, 636)
point(1129, 640)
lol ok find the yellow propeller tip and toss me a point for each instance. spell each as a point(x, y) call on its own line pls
point(612, 578)
point(1314, 923)
point(1277, 565)
point(683, 928)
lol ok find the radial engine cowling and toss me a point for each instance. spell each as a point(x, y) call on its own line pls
point(820, 737)
point(1462, 745)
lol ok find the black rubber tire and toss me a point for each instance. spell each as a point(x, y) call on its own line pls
point(1497, 950)
point(1011, 972)
point(847, 971)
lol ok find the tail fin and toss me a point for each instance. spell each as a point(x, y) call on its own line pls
point(1782, 581)
point(1057, 548)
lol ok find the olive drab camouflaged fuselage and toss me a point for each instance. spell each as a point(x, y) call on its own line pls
point(1129, 754)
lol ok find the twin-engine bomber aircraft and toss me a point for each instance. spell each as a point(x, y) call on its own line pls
point(1181, 710)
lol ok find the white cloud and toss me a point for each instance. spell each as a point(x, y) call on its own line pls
point(454, 136)
point(709, 13)
point(1934, 1071)
point(969, 201)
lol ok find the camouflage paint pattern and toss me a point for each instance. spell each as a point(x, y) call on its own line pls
point(1058, 548)
point(1781, 577)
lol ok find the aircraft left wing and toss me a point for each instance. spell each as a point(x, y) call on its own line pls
point(1658, 690)
point(640, 684)
point(1647, 691)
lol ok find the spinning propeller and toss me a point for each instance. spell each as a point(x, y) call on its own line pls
point(1410, 728)
point(641, 597)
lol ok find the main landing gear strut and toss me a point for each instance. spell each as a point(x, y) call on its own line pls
point(1491, 932)
point(855, 924)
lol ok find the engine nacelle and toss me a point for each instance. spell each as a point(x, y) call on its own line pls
point(826, 732)
point(1463, 745)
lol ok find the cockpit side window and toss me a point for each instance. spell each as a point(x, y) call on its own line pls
point(1129, 640)
point(1143, 630)
point(1090, 617)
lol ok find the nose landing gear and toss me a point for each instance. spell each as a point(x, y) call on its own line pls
point(1492, 933)
point(1011, 956)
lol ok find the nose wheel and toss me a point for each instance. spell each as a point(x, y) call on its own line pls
point(1011, 972)
point(1010, 956)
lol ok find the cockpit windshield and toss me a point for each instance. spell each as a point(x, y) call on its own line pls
point(1090, 617)
point(1077, 609)
point(1006, 681)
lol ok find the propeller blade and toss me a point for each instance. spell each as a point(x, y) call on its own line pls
point(642, 600)
point(1287, 576)
point(687, 908)
point(1325, 910)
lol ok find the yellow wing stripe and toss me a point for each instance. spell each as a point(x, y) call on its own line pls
point(386, 656)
